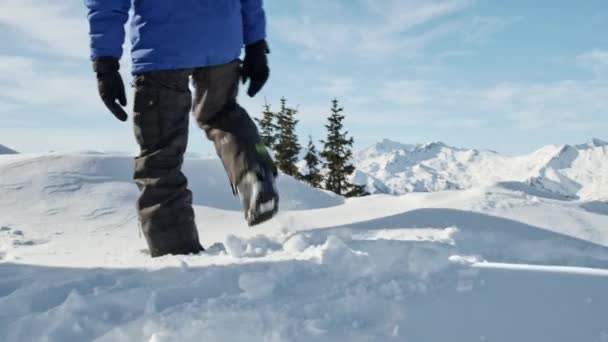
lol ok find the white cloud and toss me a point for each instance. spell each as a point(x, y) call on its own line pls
point(454, 54)
point(29, 82)
point(402, 15)
point(461, 122)
point(56, 27)
point(337, 86)
point(564, 105)
point(58, 77)
point(394, 27)
point(594, 60)
point(478, 29)
point(408, 92)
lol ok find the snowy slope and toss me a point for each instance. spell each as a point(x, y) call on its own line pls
point(6, 150)
point(572, 171)
point(499, 262)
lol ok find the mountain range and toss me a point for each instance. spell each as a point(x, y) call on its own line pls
point(6, 150)
point(572, 171)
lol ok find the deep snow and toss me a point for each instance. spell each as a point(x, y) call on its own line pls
point(505, 261)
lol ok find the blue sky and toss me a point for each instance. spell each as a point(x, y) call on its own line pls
point(504, 75)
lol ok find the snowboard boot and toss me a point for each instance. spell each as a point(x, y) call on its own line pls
point(259, 197)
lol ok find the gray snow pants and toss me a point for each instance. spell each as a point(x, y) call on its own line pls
point(161, 112)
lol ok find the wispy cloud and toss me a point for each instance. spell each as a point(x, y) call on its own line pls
point(565, 105)
point(408, 92)
point(55, 75)
point(54, 27)
point(479, 29)
point(379, 38)
point(340, 86)
point(28, 82)
point(394, 26)
point(402, 15)
point(396, 19)
point(595, 60)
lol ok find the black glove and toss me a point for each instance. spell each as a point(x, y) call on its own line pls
point(110, 86)
point(255, 66)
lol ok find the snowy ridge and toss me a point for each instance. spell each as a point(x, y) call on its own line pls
point(570, 171)
point(55, 181)
point(6, 150)
point(420, 267)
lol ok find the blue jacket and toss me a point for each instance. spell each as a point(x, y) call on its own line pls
point(175, 34)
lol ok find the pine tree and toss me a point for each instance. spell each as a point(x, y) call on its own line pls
point(337, 151)
point(357, 191)
point(287, 147)
point(268, 127)
point(313, 176)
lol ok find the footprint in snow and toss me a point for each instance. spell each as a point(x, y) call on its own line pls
point(24, 242)
point(19, 240)
point(217, 248)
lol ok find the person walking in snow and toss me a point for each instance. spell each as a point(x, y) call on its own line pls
point(173, 42)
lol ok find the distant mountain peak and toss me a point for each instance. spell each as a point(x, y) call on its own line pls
point(433, 144)
point(571, 170)
point(388, 145)
point(599, 142)
point(595, 142)
point(387, 141)
point(6, 150)
point(384, 147)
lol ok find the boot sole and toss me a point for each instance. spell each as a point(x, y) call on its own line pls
point(261, 218)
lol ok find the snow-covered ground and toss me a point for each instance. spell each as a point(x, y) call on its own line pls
point(502, 261)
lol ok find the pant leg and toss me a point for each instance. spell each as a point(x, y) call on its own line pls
point(161, 113)
point(226, 123)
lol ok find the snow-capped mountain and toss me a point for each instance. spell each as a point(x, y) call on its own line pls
point(577, 171)
point(6, 150)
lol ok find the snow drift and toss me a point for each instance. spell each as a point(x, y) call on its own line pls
point(511, 261)
point(52, 179)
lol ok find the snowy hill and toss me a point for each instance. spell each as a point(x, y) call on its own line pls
point(571, 171)
point(6, 150)
point(463, 265)
point(54, 180)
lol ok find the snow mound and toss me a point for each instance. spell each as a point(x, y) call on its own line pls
point(576, 172)
point(59, 181)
